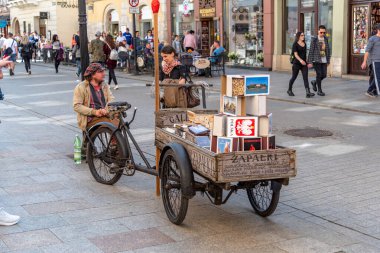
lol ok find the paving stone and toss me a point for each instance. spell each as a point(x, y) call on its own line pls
point(78, 245)
point(131, 240)
point(31, 188)
point(306, 244)
point(359, 248)
point(29, 240)
point(28, 223)
point(31, 198)
point(57, 206)
point(88, 230)
point(145, 221)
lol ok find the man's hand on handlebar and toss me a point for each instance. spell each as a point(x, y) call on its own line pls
point(101, 112)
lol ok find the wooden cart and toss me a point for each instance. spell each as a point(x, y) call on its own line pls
point(185, 168)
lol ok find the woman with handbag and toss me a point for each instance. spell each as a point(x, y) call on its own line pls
point(171, 68)
point(26, 52)
point(172, 72)
point(57, 52)
point(299, 64)
point(110, 51)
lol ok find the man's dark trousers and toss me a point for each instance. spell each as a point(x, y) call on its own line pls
point(321, 71)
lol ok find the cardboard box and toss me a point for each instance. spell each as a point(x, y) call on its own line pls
point(269, 142)
point(214, 143)
point(233, 106)
point(265, 125)
point(242, 126)
point(235, 85)
point(256, 105)
point(250, 144)
point(220, 122)
point(226, 145)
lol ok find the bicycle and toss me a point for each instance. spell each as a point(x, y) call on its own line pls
point(108, 148)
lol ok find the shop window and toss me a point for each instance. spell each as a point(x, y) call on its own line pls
point(182, 16)
point(247, 37)
point(325, 17)
point(290, 24)
point(360, 29)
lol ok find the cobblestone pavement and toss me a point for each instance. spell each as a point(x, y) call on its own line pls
point(331, 206)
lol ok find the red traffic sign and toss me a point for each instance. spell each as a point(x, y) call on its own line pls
point(134, 3)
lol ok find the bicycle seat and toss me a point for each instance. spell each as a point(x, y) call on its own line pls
point(116, 106)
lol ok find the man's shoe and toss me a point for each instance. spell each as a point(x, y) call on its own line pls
point(11, 73)
point(370, 94)
point(77, 74)
point(7, 219)
point(116, 87)
point(314, 84)
point(30, 72)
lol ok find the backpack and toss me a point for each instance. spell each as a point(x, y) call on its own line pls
point(113, 55)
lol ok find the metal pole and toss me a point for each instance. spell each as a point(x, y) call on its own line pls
point(135, 44)
point(157, 90)
point(84, 60)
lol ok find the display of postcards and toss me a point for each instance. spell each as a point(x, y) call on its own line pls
point(170, 130)
point(242, 126)
point(265, 125)
point(257, 85)
point(219, 128)
point(199, 130)
point(203, 141)
point(232, 105)
point(251, 144)
point(235, 85)
point(256, 105)
point(269, 142)
point(226, 145)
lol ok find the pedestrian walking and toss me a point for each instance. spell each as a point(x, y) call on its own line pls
point(299, 63)
point(319, 56)
point(111, 60)
point(10, 48)
point(176, 44)
point(76, 54)
point(2, 39)
point(190, 42)
point(6, 219)
point(96, 50)
point(26, 53)
point(57, 52)
point(372, 53)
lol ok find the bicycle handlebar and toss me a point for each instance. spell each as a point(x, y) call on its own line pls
point(133, 117)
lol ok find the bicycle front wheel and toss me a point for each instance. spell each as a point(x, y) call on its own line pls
point(105, 156)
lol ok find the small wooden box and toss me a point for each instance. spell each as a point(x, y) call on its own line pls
point(256, 105)
point(220, 122)
point(235, 85)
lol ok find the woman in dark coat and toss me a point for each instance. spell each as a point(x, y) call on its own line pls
point(109, 45)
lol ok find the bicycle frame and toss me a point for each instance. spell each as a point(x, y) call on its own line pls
point(124, 128)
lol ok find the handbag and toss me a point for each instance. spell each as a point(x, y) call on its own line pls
point(113, 55)
point(193, 98)
point(181, 96)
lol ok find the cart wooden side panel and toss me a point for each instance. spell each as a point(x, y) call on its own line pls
point(234, 166)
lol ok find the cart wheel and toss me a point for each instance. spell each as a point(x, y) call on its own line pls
point(101, 166)
point(174, 202)
point(264, 198)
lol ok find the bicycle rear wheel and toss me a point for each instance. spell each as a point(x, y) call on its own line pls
point(106, 161)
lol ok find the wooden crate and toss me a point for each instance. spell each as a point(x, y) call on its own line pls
point(169, 117)
point(206, 120)
point(235, 166)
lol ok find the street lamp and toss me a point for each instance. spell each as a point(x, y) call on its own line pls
point(84, 60)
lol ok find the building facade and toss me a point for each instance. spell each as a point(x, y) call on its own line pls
point(45, 17)
point(306, 15)
point(112, 16)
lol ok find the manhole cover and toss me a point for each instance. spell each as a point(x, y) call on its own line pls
point(308, 132)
